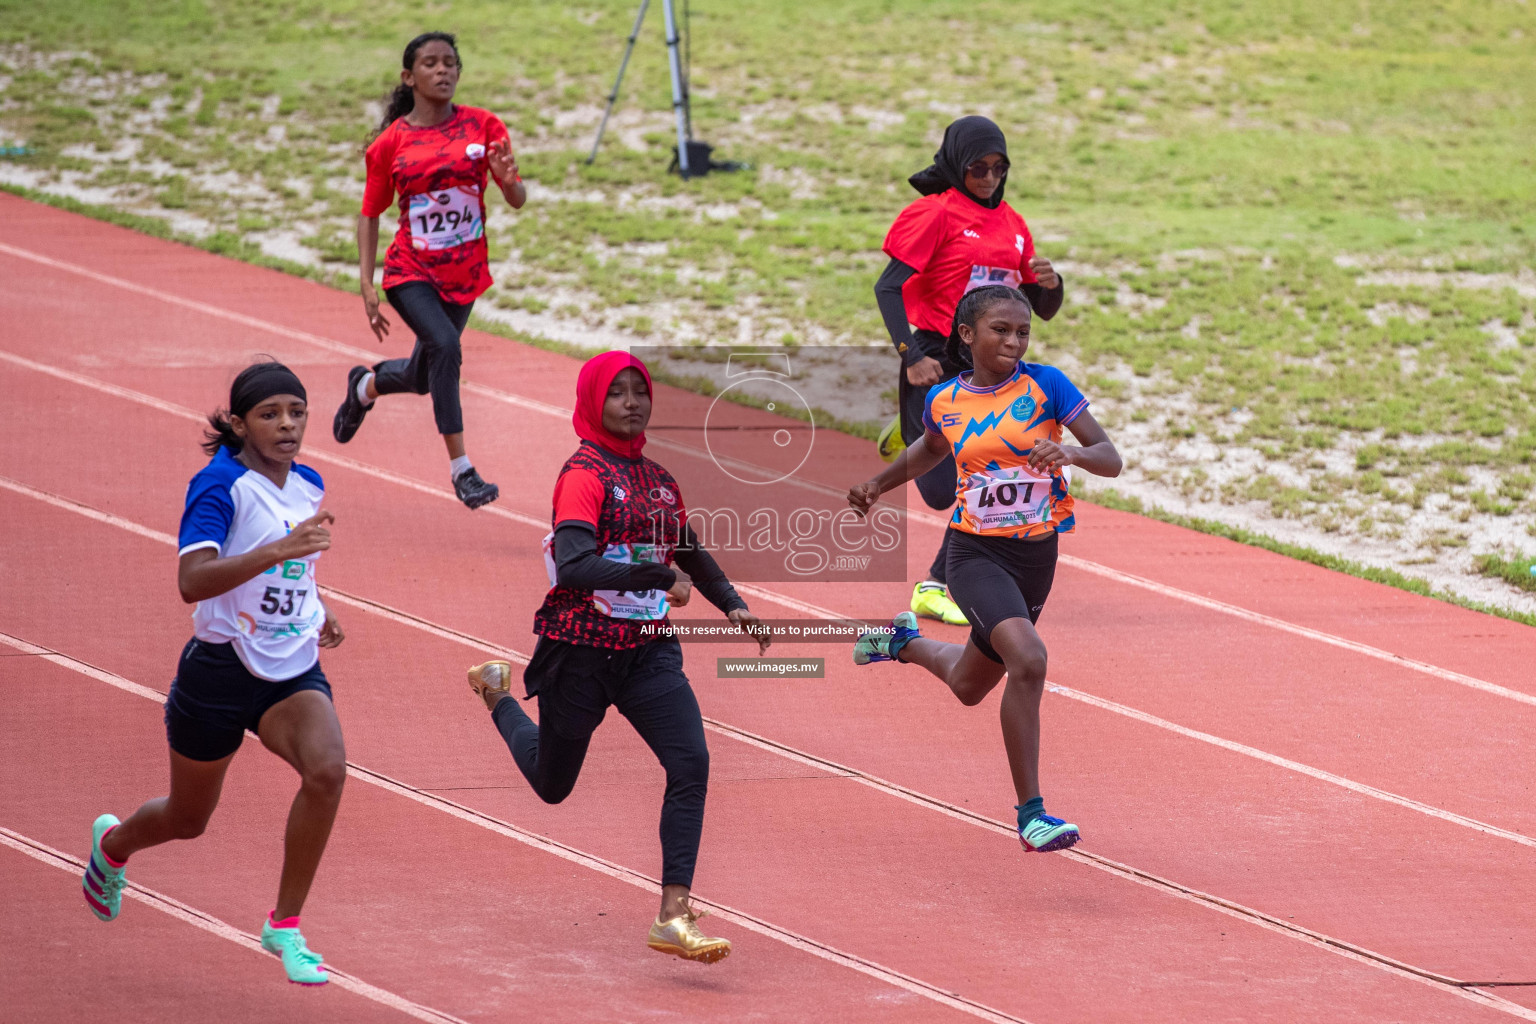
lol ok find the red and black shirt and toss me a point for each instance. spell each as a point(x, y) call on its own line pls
point(628, 502)
point(439, 172)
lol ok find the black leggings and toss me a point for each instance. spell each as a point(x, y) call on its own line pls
point(575, 685)
point(937, 486)
point(434, 363)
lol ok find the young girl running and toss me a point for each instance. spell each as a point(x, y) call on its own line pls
point(251, 533)
point(1003, 422)
point(959, 236)
point(618, 521)
point(435, 155)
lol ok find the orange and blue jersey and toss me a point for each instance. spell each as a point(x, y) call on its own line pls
point(992, 431)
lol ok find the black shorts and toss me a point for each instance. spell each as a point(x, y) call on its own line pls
point(997, 578)
point(215, 698)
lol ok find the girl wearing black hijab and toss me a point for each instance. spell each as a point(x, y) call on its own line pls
point(959, 236)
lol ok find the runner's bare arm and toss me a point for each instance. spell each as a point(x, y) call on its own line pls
point(918, 459)
point(202, 574)
point(367, 255)
point(1097, 454)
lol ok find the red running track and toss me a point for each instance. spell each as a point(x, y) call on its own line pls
point(1304, 795)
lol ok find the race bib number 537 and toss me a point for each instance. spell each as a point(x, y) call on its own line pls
point(442, 220)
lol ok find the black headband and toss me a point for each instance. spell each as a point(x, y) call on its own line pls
point(262, 384)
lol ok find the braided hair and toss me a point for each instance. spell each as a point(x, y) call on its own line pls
point(402, 99)
point(972, 307)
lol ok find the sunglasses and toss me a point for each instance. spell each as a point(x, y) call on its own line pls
point(986, 170)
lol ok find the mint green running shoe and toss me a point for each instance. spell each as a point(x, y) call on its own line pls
point(1045, 834)
point(876, 644)
point(304, 965)
point(103, 881)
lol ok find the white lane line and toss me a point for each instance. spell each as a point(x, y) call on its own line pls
point(568, 853)
point(1164, 886)
point(207, 922)
point(546, 409)
point(498, 650)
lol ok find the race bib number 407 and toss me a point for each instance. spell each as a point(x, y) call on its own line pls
point(1007, 499)
point(442, 220)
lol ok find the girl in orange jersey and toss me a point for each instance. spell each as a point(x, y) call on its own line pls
point(1003, 421)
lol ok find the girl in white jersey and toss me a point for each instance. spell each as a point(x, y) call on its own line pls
point(250, 535)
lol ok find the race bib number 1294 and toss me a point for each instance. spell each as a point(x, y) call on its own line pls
point(442, 220)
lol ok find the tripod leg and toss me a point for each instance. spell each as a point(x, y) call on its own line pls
point(613, 97)
point(679, 89)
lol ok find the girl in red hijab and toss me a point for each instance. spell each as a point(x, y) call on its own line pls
point(619, 525)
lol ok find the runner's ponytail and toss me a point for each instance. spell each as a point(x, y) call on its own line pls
point(402, 99)
point(972, 307)
point(222, 435)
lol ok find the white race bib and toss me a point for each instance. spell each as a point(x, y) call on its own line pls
point(281, 602)
point(1007, 499)
point(644, 605)
point(442, 220)
point(983, 276)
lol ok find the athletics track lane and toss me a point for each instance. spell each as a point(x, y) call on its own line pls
point(331, 475)
point(1238, 852)
point(761, 831)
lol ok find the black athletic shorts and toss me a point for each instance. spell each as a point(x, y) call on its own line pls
point(215, 698)
point(997, 578)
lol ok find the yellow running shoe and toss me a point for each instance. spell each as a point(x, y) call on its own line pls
point(889, 442)
point(931, 601)
point(681, 937)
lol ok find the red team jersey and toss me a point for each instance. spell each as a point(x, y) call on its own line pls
point(992, 431)
point(955, 244)
point(439, 174)
point(637, 510)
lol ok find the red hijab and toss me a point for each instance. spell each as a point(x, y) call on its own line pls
point(592, 385)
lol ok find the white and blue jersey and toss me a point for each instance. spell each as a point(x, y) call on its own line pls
point(274, 620)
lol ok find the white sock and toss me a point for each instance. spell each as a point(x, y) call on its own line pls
point(458, 465)
point(362, 389)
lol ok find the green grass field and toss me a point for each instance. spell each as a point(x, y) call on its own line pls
point(1303, 230)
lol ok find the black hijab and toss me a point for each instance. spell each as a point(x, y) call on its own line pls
point(965, 141)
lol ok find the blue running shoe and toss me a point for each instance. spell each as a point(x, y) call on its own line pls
point(103, 882)
point(303, 965)
point(876, 644)
point(1045, 834)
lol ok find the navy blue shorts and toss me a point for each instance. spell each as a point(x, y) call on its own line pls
point(215, 699)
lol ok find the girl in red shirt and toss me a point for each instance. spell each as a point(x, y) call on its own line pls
point(619, 519)
point(435, 155)
point(959, 236)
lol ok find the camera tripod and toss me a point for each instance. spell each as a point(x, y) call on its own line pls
point(692, 157)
